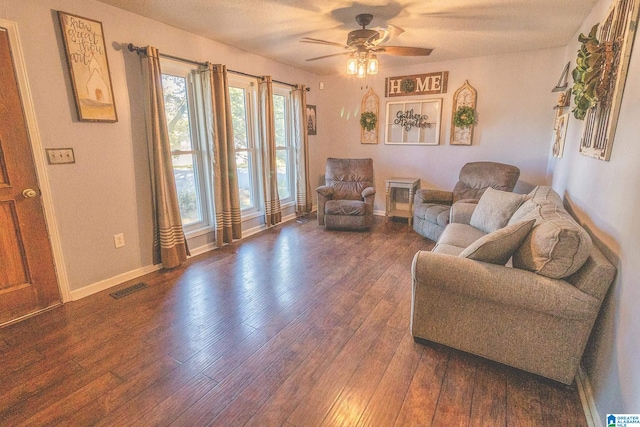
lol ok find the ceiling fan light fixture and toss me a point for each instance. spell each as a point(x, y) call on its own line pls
point(372, 64)
point(352, 64)
point(362, 69)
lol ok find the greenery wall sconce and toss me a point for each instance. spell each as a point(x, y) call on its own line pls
point(464, 115)
point(370, 108)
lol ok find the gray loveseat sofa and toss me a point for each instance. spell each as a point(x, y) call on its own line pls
point(431, 207)
point(538, 314)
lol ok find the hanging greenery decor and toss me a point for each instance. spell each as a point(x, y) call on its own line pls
point(464, 117)
point(590, 76)
point(368, 120)
point(408, 85)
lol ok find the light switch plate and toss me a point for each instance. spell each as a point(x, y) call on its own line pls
point(60, 156)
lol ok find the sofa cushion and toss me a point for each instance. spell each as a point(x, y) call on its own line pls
point(443, 248)
point(345, 207)
point(497, 247)
point(460, 235)
point(523, 211)
point(494, 209)
point(437, 214)
point(557, 246)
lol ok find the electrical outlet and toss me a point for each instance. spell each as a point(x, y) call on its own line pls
point(118, 240)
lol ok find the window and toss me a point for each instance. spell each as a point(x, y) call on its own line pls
point(183, 108)
point(240, 95)
point(284, 149)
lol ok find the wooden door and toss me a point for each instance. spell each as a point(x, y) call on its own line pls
point(27, 275)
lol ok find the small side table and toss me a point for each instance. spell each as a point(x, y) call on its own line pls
point(409, 183)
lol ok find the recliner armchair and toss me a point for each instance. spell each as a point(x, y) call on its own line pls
point(346, 199)
point(431, 208)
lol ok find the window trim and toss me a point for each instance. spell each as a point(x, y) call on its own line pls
point(201, 156)
point(285, 91)
point(253, 145)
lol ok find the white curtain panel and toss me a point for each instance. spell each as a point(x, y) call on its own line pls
point(304, 201)
point(273, 211)
point(220, 142)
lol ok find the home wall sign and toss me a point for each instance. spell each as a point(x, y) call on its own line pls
point(89, 68)
point(416, 122)
point(417, 84)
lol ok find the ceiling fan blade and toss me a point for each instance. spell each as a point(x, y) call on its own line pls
point(318, 41)
point(403, 50)
point(329, 56)
point(387, 33)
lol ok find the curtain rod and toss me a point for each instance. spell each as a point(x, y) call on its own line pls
point(138, 50)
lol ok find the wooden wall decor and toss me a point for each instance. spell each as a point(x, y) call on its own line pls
point(86, 54)
point(370, 102)
point(417, 84)
point(467, 96)
point(414, 122)
point(618, 29)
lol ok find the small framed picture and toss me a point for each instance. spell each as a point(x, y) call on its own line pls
point(312, 124)
point(560, 134)
point(89, 68)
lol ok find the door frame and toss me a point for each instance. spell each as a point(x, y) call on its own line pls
point(38, 156)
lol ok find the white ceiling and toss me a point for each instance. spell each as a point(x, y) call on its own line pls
point(453, 28)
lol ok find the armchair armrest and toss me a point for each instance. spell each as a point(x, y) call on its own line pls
point(325, 190)
point(369, 194)
point(462, 210)
point(369, 191)
point(502, 285)
point(433, 196)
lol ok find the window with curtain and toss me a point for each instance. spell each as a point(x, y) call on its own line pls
point(183, 107)
point(284, 146)
point(241, 98)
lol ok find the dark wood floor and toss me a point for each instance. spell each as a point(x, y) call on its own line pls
point(296, 326)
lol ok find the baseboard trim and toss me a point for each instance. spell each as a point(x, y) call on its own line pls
point(202, 249)
point(113, 281)
point(587, 399)
point(133, 274)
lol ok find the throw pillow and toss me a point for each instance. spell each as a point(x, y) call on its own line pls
point(494, 209)
point(497, 247)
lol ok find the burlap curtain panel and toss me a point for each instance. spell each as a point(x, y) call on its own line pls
point(219, 134)
point(169, 244)
point(301, 149)
point(273, 212)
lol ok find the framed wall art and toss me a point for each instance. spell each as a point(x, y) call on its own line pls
point(413, 122)
point(611, 40)
point(89, 68)
point(370, 124)
point(560, 134)
point(465, 96)
point(312, 124)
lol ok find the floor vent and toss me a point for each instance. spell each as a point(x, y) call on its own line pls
point(128, 291)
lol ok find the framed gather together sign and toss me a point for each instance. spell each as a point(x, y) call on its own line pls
point(89, 68)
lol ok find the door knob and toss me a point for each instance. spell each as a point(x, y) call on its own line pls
point(29, 193)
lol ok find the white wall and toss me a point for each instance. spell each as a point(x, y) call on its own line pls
point(604, 196)
point(515, 110)
point(107, 190)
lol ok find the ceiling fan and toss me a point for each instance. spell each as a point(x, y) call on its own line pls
point(365, 42)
